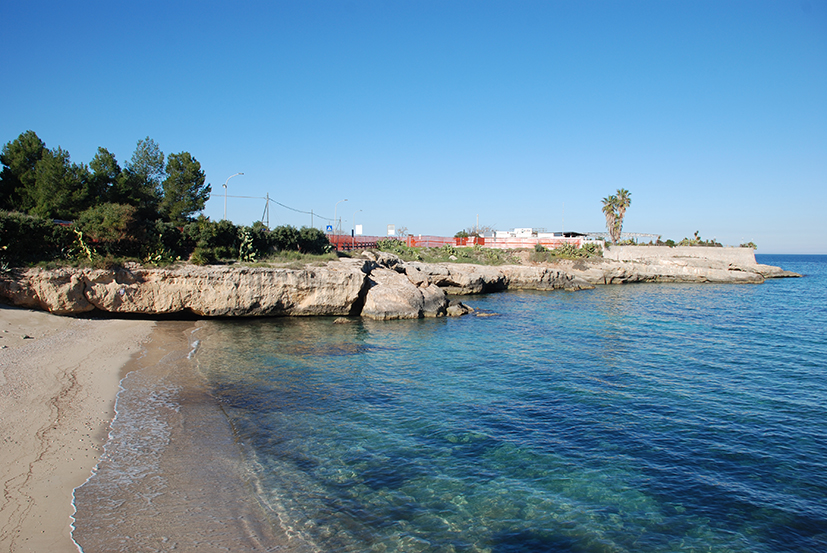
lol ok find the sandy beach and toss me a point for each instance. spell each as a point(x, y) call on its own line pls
point(59, 378)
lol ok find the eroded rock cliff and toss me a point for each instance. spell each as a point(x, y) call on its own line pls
point(377, 286)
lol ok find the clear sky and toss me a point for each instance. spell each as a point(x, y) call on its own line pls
point(433, 114)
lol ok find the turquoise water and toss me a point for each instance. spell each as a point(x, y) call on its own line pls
point(627, 418)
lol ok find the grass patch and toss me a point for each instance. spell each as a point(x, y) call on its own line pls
point(543, 255)
point(450, 254)
point(293, 260)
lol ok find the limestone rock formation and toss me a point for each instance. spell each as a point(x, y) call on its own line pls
point(391, 295)
point(212, 291)
point(464, 279)
point(661, 270)
point(378, 285)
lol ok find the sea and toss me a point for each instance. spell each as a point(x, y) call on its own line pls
point(628, 418)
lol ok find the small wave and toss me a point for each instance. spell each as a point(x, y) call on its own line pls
point(195, 345)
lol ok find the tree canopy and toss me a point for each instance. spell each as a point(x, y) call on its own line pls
point(19, 158)
point(144, 209)
point(184, 189)
point(44, 182)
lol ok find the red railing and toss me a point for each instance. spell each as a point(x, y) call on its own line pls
point(346, 242)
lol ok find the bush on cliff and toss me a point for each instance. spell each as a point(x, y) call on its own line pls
point(111, 233)
point(566, 251)
point(698, 241)
point(448, 253)
point(26, 238)
point(112, 229)
point(313, 241)
point(214, 240)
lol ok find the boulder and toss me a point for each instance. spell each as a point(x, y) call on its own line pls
point(457, 309)
point(462, 279)
point(392, 295)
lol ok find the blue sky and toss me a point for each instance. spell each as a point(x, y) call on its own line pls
point(431, 114)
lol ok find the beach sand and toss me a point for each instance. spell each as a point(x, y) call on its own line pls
point(59, 378)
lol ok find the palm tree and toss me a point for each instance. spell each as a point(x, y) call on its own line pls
point(623, 201)
point(614, 208)
point(610, 211)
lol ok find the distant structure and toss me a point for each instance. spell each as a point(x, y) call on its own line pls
point(503, 240)
point(530, 237)
point(636, 236)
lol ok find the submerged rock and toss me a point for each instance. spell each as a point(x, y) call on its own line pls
point(458, 309)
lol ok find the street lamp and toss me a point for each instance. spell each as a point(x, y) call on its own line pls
point(353, 237)
point(334, 215)
point(354, 219)
point(225, 192)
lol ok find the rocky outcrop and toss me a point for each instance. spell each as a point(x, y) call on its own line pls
point(604, 271)
point(464, 279)
point(378, 286)
point(391, 295)
point(215, 291)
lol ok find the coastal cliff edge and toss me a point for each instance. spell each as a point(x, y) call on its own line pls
point(377, 285)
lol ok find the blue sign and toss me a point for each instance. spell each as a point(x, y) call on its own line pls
point(329, 228)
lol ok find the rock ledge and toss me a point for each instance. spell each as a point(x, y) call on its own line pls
point(377, 286)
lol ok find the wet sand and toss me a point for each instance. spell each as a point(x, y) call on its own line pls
point(59, 378)
point(172, 476)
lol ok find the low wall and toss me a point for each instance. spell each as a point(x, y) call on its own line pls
point(737, 256)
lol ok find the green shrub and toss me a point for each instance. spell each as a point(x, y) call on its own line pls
point(698, 241)
point(215, 240)
point(313, 241)
point(393, 245)
point(285, 238)
point(24, 238)
point(246, 249)
point(258, 242)
point(203, 256)
point(166, 245)
point(112, 229)
point(567, 251)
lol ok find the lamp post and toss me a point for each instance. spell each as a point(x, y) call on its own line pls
point(225, 192)
point(335, 225)
point(353, 237)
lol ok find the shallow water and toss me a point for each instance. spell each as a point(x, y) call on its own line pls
point(172, 477)
point(626, 418)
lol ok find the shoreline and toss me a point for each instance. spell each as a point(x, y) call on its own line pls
point(147, 494)
point(59, 378)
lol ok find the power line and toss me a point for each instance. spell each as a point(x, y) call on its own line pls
point(311, 213)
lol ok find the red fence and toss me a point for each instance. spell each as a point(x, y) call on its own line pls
point(346, 242)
